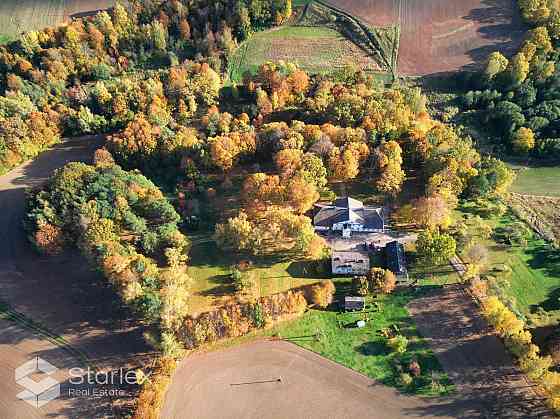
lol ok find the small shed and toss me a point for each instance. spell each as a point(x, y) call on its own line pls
point(354, 303)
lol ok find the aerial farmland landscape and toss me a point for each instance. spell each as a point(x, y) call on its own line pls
point(279, 209)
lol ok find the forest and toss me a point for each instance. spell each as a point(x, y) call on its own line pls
point(518, 97)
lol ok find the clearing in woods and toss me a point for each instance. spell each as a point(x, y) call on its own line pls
point(442, 35)
point(321, 39)
point(17, 16)
point(315, 49)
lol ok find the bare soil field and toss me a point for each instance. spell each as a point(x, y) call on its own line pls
point(18, 16)
point(443, 35)
point(489, 385)
point(277, 379)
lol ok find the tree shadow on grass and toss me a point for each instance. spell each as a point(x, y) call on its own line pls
point(552, 303)
point(373, 348)
point(307, 269)
point(546, 258)
point(223, 287)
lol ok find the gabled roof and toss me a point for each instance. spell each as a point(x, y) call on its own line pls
point(349, 210)
point(347, 202)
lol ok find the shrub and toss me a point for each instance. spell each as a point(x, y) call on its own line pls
point(360, 285)
point(152, 394)
point(398, 344)
point(258, 316)
point(405, 379)
point(102, 157)
point(381, 280)
point(321, 294)
point(49, 239)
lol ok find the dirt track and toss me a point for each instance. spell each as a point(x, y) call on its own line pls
point(61, 293)
point(443, 35)
point(473, 357)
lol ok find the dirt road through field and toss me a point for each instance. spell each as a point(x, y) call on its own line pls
point(473, 357)
point(62, 294)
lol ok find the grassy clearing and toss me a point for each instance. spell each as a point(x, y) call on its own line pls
point(333, 335)
point(315, 49)
point(537, 180)
point(534, 282)
point(4, 39)
point(439, 275)
point(210, 268)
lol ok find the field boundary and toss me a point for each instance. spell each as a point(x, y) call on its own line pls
point(374, 44)
point(380, 43)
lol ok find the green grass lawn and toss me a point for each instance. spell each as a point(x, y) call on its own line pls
point(439, 275)
point(537, 180)
point(534, 281)
point(210, 268)
point(4, 39)
point(315, 49)
point(334, 336)
point(532, 287)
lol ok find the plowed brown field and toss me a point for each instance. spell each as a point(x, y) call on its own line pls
point(443, 35)
point(18, 16)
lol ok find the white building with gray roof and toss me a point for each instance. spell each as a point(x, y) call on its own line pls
point(348, 215)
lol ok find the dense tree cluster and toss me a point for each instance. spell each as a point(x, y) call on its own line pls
point(95, 74)
point(126, 227)
point(518, 98)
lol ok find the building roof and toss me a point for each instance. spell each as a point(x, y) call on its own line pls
point(349, 210)
point(354, 303)
point(358, 262)
point(349, 256)
point(396, 261)
point(347, 202)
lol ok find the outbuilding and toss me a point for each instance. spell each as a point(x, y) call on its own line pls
point(396, 260)
point(354, 303)
point(350, 262)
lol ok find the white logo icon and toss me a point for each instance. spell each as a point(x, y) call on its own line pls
point(37, 394)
